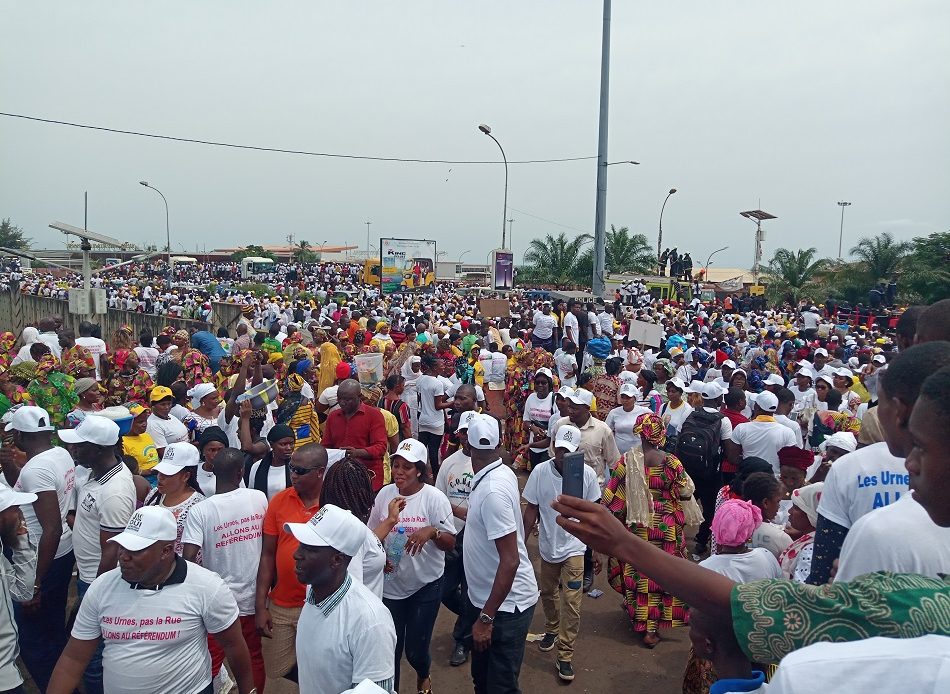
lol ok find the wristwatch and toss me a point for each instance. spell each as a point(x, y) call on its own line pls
point(485, 619)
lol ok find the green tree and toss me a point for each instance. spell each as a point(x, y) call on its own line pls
point(794, 273)
point(927, 270)
point(11, 236)
point(628, 252)
point(554, 259)
point(881, 255)
point(252, 251)
point(303, 252)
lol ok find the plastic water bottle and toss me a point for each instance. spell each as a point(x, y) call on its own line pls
point(394, 551)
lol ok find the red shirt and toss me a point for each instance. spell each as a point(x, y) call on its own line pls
point(735, 418)
point(366, 428)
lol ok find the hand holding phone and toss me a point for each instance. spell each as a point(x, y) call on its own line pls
point(572, 479)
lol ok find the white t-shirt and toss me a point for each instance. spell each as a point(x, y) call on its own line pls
point(147, 357)
point(539, 411)
point(566, 363)
point(227, 529)
point(495, 511)
point(426, 507)
point(920, 664)
point(810, 320)
point(543, 485)
point(103, 504)
point(860, 482)
point(753, 565)
point(156, 641)
point(96, 347)
point(900, 537)
point(544, 325)
point(49, 471)
point(276, 478)
point(621, 423)
point(179, 412)
point(368, 565)
point(431, 420)
point(571, 328)
point(674, 418)
point(763, 440)
point(455, 481)
point(350, 639)
point(793, 427)
point(771, 537)
point(166, 431)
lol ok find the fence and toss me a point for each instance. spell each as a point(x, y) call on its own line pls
point(19, 310)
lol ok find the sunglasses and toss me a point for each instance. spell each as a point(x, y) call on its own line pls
point(300, 471)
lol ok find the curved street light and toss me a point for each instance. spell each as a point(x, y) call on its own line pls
point(168, 238)
point(504, 213)
point(468, 250)
point(706, 266)
point(659, 238)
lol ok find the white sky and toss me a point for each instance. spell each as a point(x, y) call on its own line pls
point(798, 105)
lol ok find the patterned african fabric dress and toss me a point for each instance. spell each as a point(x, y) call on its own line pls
point(647, 604)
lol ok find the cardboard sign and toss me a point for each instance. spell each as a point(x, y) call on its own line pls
point(649, 334)
point(494, 308)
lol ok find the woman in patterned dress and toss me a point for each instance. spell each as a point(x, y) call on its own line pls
point(647, 604)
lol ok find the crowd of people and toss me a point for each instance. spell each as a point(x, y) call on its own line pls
point(300, 494)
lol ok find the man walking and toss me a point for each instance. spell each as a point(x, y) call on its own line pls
point(226, 529)
point(562, 554)
point(501, 583)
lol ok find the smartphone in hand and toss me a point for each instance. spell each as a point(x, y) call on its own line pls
point(572, 480)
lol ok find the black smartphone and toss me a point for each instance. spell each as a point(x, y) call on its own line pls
point(572, 480)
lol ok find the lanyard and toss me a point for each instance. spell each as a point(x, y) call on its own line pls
point(498, 463)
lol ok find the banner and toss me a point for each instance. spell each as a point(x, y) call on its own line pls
point(502, 269)
point(407, 265)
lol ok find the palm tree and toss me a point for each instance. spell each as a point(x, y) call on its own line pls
point(302, 252)
point(553, 260)
point(628, 252)
point(794, 273)
point(881, 255)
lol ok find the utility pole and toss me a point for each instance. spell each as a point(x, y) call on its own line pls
point(511, 236)
point(367, 238)
point(842, 204)
point(600, 224)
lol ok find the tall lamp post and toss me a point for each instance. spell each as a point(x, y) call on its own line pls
point(168, 237)
point(504, 211)
point(659, 236)
point(709, 259)
point(367, 236)
point(842, 204)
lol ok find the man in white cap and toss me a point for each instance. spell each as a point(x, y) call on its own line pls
point(597, 440)
point(561, 576)
point(153, 614)
point(501, 582)
point(18, 576)
point(345, 634)
point(226, 528)
point(104, 503)
point(49, 473)
point(763, 436)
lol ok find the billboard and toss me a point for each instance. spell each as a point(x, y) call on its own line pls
point(502, 269)
point(407, 265)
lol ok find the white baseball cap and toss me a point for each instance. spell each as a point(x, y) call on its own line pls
point(331, 526)
point(676, 383)
point(844, 372)
point(483, 432)
point(844, 440)
point(581, 397)
point(712, 390)
point(629, 390)
point(568, 437)
point(464, 420)
point(766, 401)
point(879, 359)
point(148, 525)
point(101, 431)
point(412, 450)
point(826, 378)
point(821, 352)
point(177, 457)
point(565, 391)
point(545, 371)
point(30, 419)
point(9, 497)
point(694, 387)
point(775, 380)
point(729, 364)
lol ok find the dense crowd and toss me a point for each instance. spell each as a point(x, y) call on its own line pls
point(300, 495)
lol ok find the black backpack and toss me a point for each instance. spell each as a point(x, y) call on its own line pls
point(698, 446)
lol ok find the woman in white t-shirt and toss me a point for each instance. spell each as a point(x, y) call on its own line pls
point(622, 419)
point(414, 521)
point(147, 354)
point(676, 410)
point(766, 492)
point(539, 407)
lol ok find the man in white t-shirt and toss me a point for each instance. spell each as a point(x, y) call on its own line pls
point(96, 346)
point(345, 634)
point(544, 326)
point(49, 473)
point(562, 555)
point(432, 405)
point(503, 593)
point(153, 615)
point(226, 529)
point(763, 436)
point(572, 328)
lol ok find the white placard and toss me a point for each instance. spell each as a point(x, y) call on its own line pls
point(649, 334)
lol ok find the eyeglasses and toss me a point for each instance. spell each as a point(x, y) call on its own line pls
point(300, 471)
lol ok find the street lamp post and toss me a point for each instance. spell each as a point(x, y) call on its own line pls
point(504, 212)
point(709, 259)
point(659, 236)
point(600, 203)
point(367, 236)
point(168, 238)
point(842, 204)
point(467, 250)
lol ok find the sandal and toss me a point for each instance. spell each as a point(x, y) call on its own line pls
point(651, 639)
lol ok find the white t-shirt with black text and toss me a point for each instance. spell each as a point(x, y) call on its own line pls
point(49, 471)
point(455, 481)
point(166, 431)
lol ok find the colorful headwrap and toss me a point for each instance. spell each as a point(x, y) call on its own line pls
point(666, 364)
point(295, 382)
point(735, 521)
point(126, 328)
point(120, 357)
point(650, 428)
point(182, 335)
point(806, 499)
point(46, 364)
point(303, 366)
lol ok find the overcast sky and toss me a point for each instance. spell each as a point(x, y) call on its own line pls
point(798, 105)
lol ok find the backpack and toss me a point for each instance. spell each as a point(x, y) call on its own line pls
point(697, 446)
